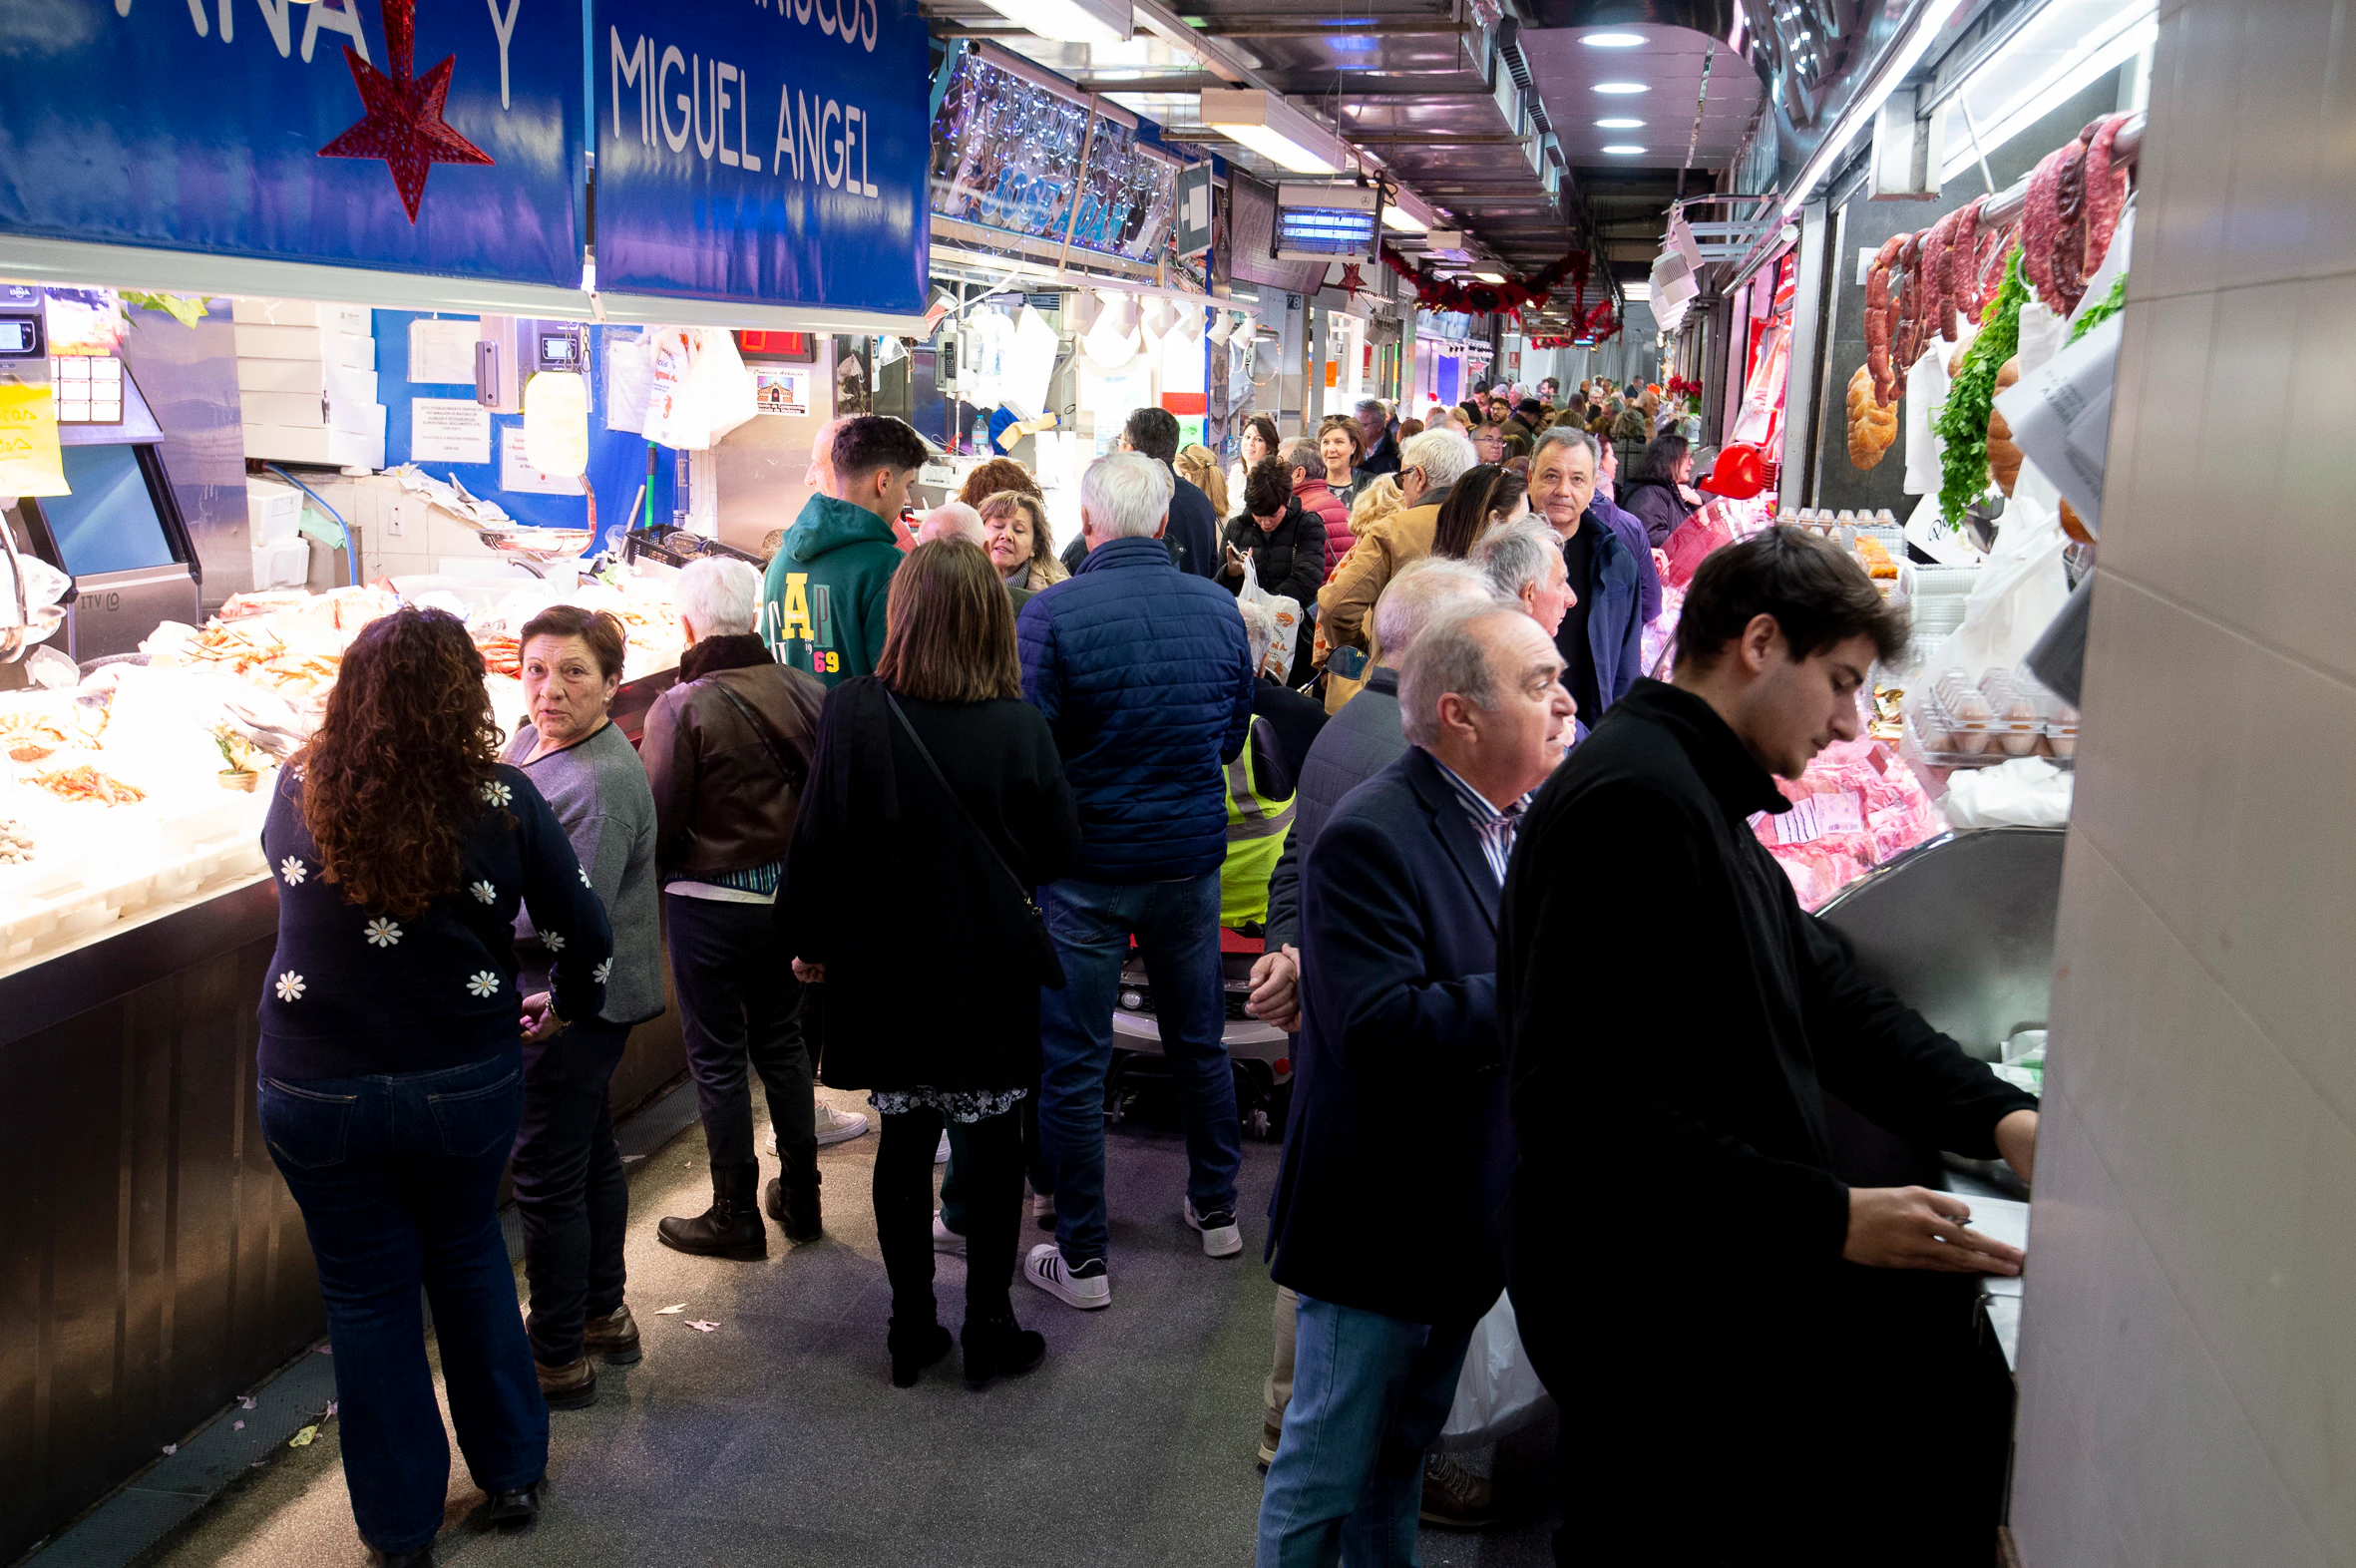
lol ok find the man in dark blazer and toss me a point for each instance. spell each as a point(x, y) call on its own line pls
point(1401, 1061)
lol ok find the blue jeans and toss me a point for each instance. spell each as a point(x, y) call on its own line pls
point(570, 1190)
point(1177, 929)
point(397, 1176)
point(1370, 1396)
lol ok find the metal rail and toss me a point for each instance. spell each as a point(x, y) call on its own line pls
point(2007, 204)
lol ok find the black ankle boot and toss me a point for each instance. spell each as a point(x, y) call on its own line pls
point(794, 1204)
point(730, 1228)
point(999, 1348)
point(914, 1348)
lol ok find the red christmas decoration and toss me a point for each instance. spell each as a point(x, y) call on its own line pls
point(404, 123)
point(1353, 281)
point(1478, 298)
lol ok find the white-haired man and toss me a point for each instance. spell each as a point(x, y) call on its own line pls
point(1400, 1091)
point(1430, 467)
point(726, 752)
point(1145, 676)
point(953, 520)
point(1524, 562)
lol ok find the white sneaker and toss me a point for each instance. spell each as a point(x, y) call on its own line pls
point(836, 1126)
point(1221, 1237)
point(945, 1239)
point(940, 1153)
point(1084, 1287)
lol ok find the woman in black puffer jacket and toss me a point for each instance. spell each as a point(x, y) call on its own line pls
point(1286, 543)
point(1654, 487)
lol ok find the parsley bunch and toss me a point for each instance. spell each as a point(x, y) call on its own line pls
point(2103, 310)
point(1962, 421)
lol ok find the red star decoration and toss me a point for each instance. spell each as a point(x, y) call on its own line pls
point(404, 123)
point(1350, 281)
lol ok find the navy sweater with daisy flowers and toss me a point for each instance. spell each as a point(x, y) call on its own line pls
point(353, 993)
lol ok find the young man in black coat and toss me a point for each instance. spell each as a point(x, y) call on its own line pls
point(1388, 1217)
point(1776, 1363)
point(1193, 531)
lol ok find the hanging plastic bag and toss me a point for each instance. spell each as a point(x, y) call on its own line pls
point(1498, 1392)
point(629, 381)
point(700, 389)
point(2022, 587)
point(1287, 611)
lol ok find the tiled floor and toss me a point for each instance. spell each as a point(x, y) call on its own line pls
point(777, 1437)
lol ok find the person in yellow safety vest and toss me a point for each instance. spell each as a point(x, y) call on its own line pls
point(1256, 828)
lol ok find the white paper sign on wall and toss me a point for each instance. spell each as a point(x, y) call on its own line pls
point(449, 430)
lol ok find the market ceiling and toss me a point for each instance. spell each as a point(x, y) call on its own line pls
point(1498, 118)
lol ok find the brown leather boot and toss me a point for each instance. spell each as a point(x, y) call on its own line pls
point(613, 1338)
point(568, 1388)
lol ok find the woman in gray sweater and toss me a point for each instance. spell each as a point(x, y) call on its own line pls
point(570, 1190)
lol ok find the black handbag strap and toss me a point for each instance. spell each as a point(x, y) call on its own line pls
point(941, 779)
point(794, 781)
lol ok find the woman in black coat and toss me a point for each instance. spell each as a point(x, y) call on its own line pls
point(891, 878)
point(1287, 545)
point(1654, 487)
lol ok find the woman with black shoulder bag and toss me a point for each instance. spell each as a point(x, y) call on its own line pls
point(937, 804)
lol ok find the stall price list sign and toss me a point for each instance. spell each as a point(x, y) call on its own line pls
point(88, 389)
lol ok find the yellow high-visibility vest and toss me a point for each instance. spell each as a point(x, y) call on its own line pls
point(1256, 828)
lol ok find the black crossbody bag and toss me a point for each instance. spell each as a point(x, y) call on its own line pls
point(1051, 966)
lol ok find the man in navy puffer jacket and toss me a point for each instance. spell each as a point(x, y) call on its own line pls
point(1144, 675)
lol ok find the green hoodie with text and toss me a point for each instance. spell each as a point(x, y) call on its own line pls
point(822, 602)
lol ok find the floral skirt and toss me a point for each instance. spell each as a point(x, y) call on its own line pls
point(960, 1105)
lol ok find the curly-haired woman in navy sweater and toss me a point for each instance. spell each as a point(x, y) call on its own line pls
point(392, 1066)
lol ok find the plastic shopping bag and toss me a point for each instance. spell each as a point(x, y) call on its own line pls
point(1498, 1392)
point(1287, 611)
point(701, 388)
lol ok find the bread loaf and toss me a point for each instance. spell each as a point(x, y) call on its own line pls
point(2004, 459)
point(1873, 425)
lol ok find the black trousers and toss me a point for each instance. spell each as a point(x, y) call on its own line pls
point(992, 1177)
point(570, 1190)
point(1853, 1419)
point(739, 1006)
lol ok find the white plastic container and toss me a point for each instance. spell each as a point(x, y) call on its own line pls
point(273, 511)
point(283, 563)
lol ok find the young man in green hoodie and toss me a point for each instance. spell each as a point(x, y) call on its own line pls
point(822, 602)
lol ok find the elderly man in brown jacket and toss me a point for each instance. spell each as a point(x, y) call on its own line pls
point(727, 751)
point(1430, 467)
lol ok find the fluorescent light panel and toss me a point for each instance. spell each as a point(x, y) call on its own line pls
point(1623, 149)
point(1861, 110)
point(1614, 40)
point(1069, 21)
point(1274, 129)
point(1619, 124)
point(2100, 48)
point(1621, 89)
point(1409, 214)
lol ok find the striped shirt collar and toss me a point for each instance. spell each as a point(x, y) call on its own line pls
point(1495, 829)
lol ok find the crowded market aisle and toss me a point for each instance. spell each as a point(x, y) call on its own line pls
point(776, 1437)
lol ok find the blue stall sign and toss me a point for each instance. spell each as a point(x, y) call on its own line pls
point(355, 133)
point(765, 152)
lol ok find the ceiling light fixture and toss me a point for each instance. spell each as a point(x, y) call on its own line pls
point(1274, 129)
point(1622, 123)
point(1621, 89)
point(1407, 214)
point(1490, 277)
point(1070, 21)
point(1614, 40)
point(1623, 149)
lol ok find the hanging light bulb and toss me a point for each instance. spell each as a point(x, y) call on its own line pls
point(1221, 327)
point(556, 423)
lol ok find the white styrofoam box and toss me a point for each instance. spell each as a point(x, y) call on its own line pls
point(292, 444)
point(285, 562)
point(315, 376)
point(326, 344)
point(301, 312)
point(311, 410)
point(273, 511)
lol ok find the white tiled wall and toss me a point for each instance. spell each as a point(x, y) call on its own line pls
point(2188, 1357)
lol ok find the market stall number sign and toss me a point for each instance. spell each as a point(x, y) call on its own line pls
point(771, 152)
point(382, 134)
